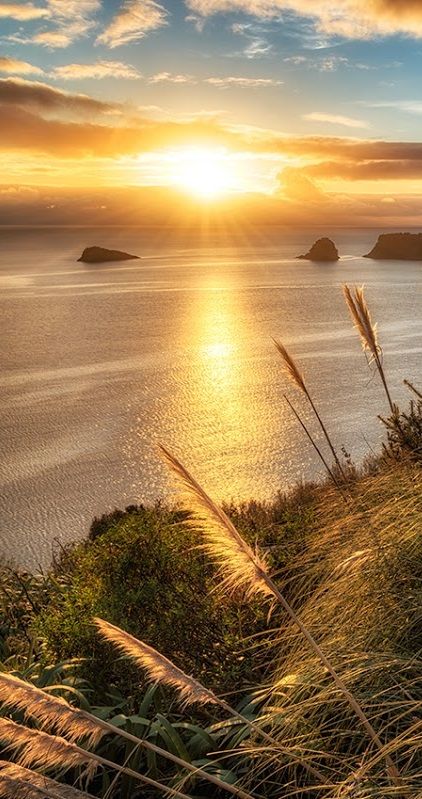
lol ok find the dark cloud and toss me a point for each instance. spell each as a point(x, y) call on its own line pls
point(366, 170)
point(22, 129)
point(45, 98)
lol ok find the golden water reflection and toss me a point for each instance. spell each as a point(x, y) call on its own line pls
point(223, 387)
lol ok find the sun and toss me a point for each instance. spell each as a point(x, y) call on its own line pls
point(207, 174)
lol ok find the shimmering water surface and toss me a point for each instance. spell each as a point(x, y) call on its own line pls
point(99, 363)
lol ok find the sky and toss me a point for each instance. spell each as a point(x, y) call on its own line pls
point(311, 108)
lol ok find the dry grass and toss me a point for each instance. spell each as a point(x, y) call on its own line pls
point(255, 578)
point(367, 329)
point(363, 606)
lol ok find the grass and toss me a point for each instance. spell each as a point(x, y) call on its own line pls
point(323, 587)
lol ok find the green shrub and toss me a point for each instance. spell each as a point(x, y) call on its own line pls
point(145, 572)
point(404, 432)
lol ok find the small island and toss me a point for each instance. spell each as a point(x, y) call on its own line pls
point(397, 246)
point(99, 255)
point(323, 250)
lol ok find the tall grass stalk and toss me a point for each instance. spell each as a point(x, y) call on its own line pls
point(316, 448)
point(412, 388)
point(55, 713)
point(293, 372)
point(367, 329)
point(161, 669)
point(240, 567)
point(38, 749)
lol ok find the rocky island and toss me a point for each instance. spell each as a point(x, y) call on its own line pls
point(99, 255)
point(323, 250)
point(398, 246)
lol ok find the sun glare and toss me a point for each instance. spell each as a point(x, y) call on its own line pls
point(207, 174)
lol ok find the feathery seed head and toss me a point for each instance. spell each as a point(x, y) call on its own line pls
point(359, 311)
point(158, 667)
point(39, 750)
point(52, 712)
point(290, 367)
point(240, 567)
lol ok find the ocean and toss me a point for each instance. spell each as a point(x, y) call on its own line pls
point(100, 363)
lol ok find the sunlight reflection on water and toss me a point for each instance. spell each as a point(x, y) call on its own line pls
point(101, 364)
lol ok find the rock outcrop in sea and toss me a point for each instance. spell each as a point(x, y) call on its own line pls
point(323, 250)
point(99, 255)
point(398, 246)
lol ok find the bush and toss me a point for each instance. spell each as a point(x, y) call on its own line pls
point(404, 432)
point(143, 571)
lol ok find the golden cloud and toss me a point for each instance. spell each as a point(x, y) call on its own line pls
point(25, 130)
point(243, 83)
point(99, 69)
point(72, 19)
point(22, 12)
point(351, 18)
point(135, 19)
point(170, 77)
point(13, 66)
point(38, 118)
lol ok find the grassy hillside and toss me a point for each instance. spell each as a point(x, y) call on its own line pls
point(351, 569)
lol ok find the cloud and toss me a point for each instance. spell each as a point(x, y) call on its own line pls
point(366, 170)
point(243, 83)
point(47, 99)
point(169, 77)
point(219, 82)
point(408, 106)
point(333, 63)
point(296, 185)
point(24, 130)
point(135, 19)
point(257, 48)
point(72, 20)
point(39, 118)
point(111, 205)
point(13, 66)
point(331, 147)
point(336, 119)
point(22, 12)
point(58, 38)
point(361, 19)
point(100, 69)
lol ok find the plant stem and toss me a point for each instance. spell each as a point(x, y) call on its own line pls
point(324, 430)
point(102, 761)
point(384, 382)
point(107, 727)
point(317, 449)
point(413, 388)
